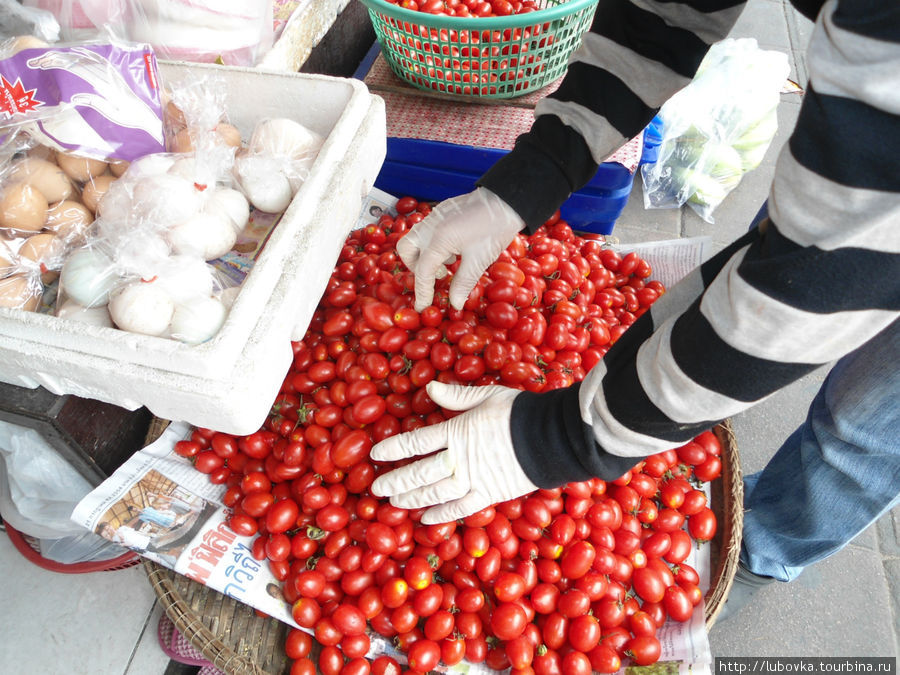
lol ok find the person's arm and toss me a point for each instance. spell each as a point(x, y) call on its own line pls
point(636, 55)
point(634, 58)
point(821, 280)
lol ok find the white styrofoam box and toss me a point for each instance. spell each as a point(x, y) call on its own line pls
point(229, 382)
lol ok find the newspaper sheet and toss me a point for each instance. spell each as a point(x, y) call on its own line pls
point(162, 508)
point(671, 259)
point(376, 203)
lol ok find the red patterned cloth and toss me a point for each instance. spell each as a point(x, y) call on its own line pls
point(412, 113)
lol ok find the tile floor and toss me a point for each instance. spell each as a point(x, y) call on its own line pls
point(81, 624)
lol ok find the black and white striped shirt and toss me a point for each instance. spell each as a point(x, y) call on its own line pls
point(819, 281)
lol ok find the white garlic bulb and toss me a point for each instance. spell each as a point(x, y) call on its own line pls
point(198, 320)
point(141, 307)
point(231, 203)
point(206, 235)
point(87, 277)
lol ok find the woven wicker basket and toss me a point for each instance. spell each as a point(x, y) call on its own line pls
point(728, 504)
point(238, 641)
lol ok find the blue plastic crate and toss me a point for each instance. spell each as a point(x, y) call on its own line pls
point(435, 170)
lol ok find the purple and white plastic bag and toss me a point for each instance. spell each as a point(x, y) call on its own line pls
point(95, 100)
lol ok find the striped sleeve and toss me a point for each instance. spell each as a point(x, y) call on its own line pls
point(635, 56)
point(817, 280)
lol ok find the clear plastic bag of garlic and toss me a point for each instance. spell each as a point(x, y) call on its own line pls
point(136, 284)
point(182, 301)
point(157, 226)
point(276, 162)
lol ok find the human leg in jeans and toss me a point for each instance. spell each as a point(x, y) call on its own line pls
point(834, 476)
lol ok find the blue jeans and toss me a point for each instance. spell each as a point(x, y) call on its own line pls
point(837, 473)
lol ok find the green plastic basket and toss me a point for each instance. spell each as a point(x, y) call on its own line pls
point(489, 57)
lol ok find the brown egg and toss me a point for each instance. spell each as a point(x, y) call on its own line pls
point(68, 219)
point(174, 115)
point(46, 250)
point(229, 134)
point(6, 260)
point(43, 248)
point(22, 207)
point(94, 189)
point(182, 142)
point(80, 168)
point(26, 42)
point(46, 176)
point(118, 166)
point(20, 292)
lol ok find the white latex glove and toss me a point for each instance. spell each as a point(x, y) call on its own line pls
point(476, 465)
point(476, 226)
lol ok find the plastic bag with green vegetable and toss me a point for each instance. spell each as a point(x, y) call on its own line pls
point(717, 128)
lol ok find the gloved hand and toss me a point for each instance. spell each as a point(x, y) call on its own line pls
point(478, 467)
point(476, 226)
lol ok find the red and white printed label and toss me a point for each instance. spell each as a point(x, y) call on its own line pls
point(14, 98)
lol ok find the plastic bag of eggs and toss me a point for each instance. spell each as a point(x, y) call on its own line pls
point(145, 270)
point(181, 201)
point(276, 162)
point(185, 300)
point(44, 211)
point(53, 192)
point(195, 117)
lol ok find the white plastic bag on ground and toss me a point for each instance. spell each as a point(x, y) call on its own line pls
point(717, 128)
point(38, 492)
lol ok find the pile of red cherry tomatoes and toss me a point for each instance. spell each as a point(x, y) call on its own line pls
point(570, 580)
